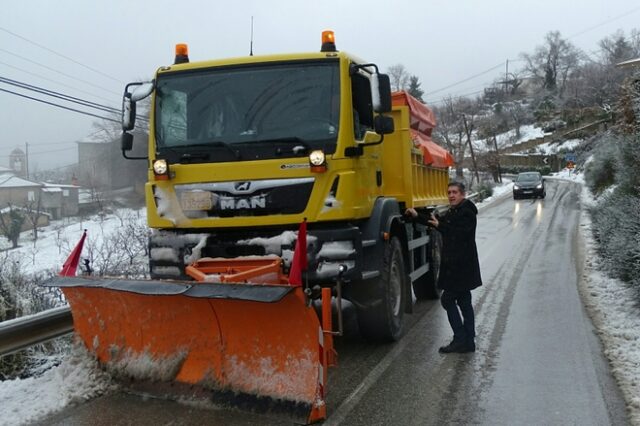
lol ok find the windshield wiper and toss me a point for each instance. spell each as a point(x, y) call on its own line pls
point(287, 140)
point(203, 155)
point(189, 157)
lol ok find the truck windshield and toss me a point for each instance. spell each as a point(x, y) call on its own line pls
point(253, 111)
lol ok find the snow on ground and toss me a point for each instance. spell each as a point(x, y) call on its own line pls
point(527, 132)
point(610, 303)
point(56, 241)
point(77, 379)
point(616, 317)
point(498, 191)
point(550, 148)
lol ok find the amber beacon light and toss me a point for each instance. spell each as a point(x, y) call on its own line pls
point(182, 54)
point(328, 41)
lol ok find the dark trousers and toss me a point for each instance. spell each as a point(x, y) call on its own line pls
point(456, 302)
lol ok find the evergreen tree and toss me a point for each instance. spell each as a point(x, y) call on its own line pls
point(414, 88)
point(11, 226)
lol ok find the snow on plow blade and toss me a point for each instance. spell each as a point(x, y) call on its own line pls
point(261, 342)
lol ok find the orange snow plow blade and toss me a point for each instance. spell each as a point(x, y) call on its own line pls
point(260, 343)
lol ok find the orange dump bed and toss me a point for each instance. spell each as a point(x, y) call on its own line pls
point(422, 122)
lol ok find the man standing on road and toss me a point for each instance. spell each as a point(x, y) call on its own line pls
point(459, 265)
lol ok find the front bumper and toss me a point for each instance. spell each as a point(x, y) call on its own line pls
point(528, 192)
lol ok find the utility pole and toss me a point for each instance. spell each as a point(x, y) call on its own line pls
point(495, 143)
point(473, 156)
point(506, 77)
point(26, 159)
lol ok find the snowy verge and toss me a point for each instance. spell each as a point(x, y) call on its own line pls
point(615, 316)
point(77, 379)
point(499, 192)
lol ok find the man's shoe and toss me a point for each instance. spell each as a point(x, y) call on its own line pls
point(460, 347)
point(469, 346)
point(455, 346)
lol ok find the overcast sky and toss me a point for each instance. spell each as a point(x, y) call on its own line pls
point(115, 41)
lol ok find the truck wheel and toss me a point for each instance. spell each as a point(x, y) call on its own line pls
point(384, 321)
point(426, 287)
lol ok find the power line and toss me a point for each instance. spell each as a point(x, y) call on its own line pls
point(50, 151)
point(466, 79)
point(64, 97)
point(58, 95)
point(59, 72)
point(59, 106)
point(54, 81)
point(61, 55)
point(604, 23)
point(572, 36)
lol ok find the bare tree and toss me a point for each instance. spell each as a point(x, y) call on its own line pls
point(33, 210)
point(616, 48)
point(450, 130)
point(518, 114)
point(553, 62)
point(399, 77)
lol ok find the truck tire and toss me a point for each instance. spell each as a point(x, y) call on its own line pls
point(426, 287)
point(383, 321)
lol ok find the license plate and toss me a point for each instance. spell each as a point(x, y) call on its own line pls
point(528, 192)
point(196, 200)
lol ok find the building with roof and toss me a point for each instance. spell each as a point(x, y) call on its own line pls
point(17, 191)
point(60, 200)
point(102, 167)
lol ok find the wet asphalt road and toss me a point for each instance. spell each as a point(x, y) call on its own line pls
point(538, 361)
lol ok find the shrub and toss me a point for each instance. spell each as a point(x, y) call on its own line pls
point(629, 158)
point(616, 228)
point(484, 190)
point(616, 216)
point(600, 173)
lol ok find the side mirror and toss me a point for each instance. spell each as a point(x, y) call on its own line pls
point(383, 125)
point(384, 91)
point(128, 112)
point(127, 141)
point(129, 99)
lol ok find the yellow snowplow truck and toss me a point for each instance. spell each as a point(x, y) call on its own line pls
point(275, 184)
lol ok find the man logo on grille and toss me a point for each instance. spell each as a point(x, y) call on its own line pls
point(242, 186)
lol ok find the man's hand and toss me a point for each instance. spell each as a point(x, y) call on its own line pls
point(433, 220)
point(411, 213)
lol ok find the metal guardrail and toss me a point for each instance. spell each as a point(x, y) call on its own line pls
point(20, 333)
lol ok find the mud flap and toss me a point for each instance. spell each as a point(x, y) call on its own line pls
point(261, 342)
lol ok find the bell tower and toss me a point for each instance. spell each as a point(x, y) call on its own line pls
point(18, 162)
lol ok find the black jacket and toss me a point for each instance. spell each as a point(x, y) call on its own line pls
point(459, 266)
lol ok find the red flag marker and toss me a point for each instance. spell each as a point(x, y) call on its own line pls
point(299, 262)
point(71, 264)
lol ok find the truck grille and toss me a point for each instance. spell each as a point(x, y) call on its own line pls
point(245, 198)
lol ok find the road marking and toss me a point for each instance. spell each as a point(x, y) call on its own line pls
point(341, 413)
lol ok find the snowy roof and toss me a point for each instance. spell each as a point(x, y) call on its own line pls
point(5, 170)
point(9, 208)
point(629, 63)
point(52, 190)
point(16, 182)
point(58, 185)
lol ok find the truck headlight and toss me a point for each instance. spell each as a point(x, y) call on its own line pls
point(161, 169)
point(318, 161)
